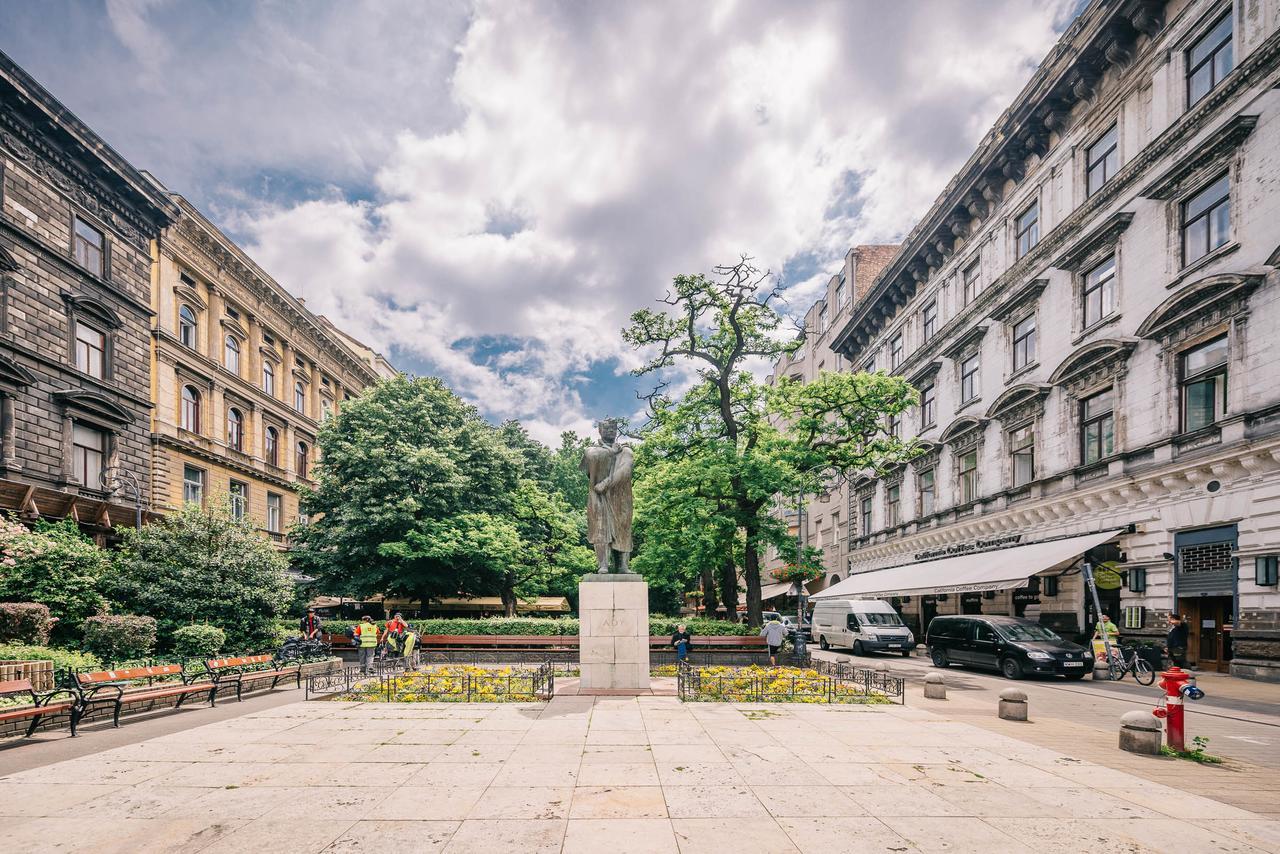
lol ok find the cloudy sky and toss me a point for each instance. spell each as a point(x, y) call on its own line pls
point(486, 190)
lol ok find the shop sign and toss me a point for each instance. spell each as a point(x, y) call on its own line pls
point(966, 548)
point(1026, 596)
point(1106, 578)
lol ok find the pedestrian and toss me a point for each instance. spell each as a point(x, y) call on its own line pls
point(774, 633)
point(1175, 643)
point(1110, 629)
point(367, 637)
point(310, 625)
point(682, 640)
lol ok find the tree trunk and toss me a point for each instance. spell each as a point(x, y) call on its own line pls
point(729, 588)
point(509, 600)
point(751, 570)
point(710, 601)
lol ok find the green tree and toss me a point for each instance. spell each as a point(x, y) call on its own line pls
point(549, 549)
point(202, 565)
point(54, 564)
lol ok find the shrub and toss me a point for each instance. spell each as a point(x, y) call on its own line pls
point(199, 641)
point(53, 564)
point(698, 626)
point(546, 626)
point(25, 622)
point(120, 638)
point(62, 659)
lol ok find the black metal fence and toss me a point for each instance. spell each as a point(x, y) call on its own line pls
point(469, 687)
point(566, 661)
point(826, 685)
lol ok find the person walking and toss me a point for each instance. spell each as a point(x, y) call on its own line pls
point(774, 633)
point(367, 638)
point(310, 625)
point(1175, 643)
point(682, 640)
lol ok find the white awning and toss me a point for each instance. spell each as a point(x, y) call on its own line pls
point(768, 591)
point(994, 570)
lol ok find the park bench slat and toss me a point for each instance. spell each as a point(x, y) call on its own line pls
point(41, 704)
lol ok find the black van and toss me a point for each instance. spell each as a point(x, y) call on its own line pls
point(1015, 647)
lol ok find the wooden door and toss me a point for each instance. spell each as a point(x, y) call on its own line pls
point(1208, 637)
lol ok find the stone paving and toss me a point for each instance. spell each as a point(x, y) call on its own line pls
point(590, 774)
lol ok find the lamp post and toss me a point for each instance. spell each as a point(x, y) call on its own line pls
point(798, 645)
point(115, 477)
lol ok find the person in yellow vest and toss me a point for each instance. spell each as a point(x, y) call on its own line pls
point(367, 638)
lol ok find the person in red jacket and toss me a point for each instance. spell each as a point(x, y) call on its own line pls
point(310, 625)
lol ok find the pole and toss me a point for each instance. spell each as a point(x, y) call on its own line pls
point(1087, 568)
point(798, 645)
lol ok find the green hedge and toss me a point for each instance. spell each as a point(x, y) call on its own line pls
point(545, 626)
point(61, 658)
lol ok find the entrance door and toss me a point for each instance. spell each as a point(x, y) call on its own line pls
point(928, 610)
point(1209, 622)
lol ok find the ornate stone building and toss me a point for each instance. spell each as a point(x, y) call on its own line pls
point(243, 375)
point(77, 225)
point(1091, 311)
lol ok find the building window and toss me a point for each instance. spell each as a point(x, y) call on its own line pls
point(88, 454)
point(929, 321)
point(1209, 60)
point(232, 359)
point(1097, 427)
point(971, 281)
point(239, 499)
point(969, 379)
point(968, 477)
point(892, 505)
point(1022, 448)
point(187, 327)
point(822, 320)
point(865, 510)
point(1206, 220)
point(190, 416)
point(840, 296)
point(235, 429)
point(928, 406)
point(895, 426)
point(1266, 571)
point(192, 485)
point(299, 397)
point(269, 378)
point(895, 351)
point(271, 446)
point(87, 245)
point(1028, 229)
point(1024, 342)
point(1103, 158)
point(275, 505)
point(326, 409)
point(1138, 580)
point(926, 491)
point(1204, 384)
point(91, 350)
point(871, 365)
point(300, 464)
point(1100, 292)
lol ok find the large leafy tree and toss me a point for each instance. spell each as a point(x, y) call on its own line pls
point(759, 441)
point(412, 497)
point(54, 564)
point(548, 548)
point(202, 566)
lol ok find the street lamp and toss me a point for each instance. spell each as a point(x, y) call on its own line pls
point(114, 477)
point(798, 646)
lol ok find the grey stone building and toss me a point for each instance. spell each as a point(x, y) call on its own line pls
point(76, 227)
point(1091, 311)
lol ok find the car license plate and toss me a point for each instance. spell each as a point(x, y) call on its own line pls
point(1073, 664)
point(895, 646)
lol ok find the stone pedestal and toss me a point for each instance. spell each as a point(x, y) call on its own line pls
point(613, 632)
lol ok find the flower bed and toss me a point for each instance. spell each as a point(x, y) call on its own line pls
point(457, 683)
point(755, 684)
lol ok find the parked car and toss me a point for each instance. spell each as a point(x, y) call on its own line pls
point(789, 621)
point(865, 625)
point(1013, 646)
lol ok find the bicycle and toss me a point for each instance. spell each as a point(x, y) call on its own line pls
point(1118, 666)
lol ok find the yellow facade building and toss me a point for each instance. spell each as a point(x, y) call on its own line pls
point(242, 374)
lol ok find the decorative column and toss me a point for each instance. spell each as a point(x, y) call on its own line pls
point(8, 433)
point(213, 325)
point(284, 377)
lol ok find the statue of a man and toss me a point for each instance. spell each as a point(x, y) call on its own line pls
point(608, 468)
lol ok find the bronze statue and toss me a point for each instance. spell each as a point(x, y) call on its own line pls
point(608, 468)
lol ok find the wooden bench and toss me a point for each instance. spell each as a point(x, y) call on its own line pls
point(749, 643)
point(111, 687)
point(41, 704)
point(337, 641)
point(492, 642)
point(233, 671)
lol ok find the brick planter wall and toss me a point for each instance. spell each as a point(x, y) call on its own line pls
point(39, 672)
point(63, 721)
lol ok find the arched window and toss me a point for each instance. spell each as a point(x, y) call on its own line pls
point(235, 429)
point(232, 360)
point(190, 409)
point(326, 409)
point(269, 378)
point(299, 397)
point(301, 464)
point(271, 446)
point(187, 326)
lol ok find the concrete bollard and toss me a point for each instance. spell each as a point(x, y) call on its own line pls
point(1101, 672)
point(1013, 705)
point(934, 687)
point(1140, 733)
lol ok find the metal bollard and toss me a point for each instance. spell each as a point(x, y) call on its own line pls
point(934, 687)
point(1140, 733)
point(1013, 705)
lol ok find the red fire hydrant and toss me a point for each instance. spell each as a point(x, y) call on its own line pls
point(1172, 681)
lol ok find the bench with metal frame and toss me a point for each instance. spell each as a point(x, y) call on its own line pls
point(113, 688)
point(41, 704)
point(234, 671)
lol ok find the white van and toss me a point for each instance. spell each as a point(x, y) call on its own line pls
point(865, 625)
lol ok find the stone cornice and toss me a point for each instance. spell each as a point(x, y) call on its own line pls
point(969, 340)
point(1028, 293)
point(1230, 137)
point(1102, 236)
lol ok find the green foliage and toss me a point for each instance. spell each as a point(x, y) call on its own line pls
point(119, 638)
point(203, 565)
point(199, 641)
point(56, 565)
point(1197, 753)
point(699, 626)
point(63, 659)
point(25, 622)
point(546, 626)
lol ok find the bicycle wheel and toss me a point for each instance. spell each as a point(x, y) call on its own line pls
point(1143, 672)
point(1116, 670)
